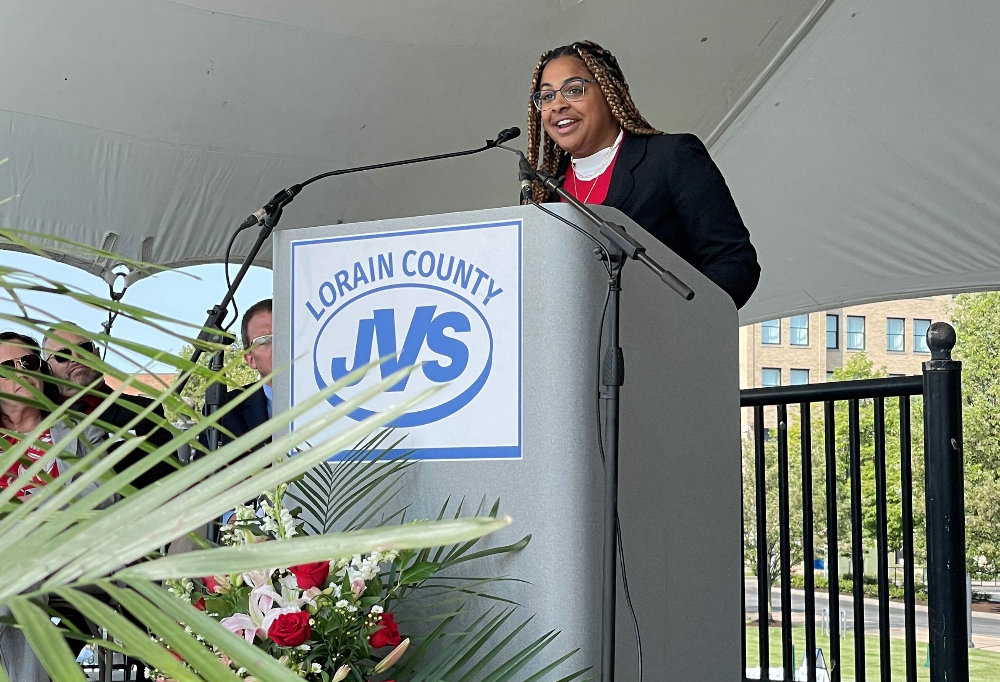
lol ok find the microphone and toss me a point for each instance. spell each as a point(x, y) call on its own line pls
point(525, 175)
point(507, 135)
point(272, 210)
point(525, 172)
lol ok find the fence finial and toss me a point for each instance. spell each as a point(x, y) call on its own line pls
point(941, 340)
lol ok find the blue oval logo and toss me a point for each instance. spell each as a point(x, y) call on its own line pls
point(420, 323)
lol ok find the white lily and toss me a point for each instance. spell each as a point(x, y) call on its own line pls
point(393, 656)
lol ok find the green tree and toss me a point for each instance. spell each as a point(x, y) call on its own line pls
point(858, 367)
point(976, 318)
point(236, 373)
point(770, 544)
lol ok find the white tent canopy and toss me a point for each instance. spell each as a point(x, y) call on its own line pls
point(868, 166)
point(166, 122)
point(154, 127)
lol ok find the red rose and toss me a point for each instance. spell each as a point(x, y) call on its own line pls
point(310, 575)
point(200, 604)
point(387, 635)
point(211, 584)
point(290, 629)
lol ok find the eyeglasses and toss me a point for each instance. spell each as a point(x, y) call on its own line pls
point(264, 340)
point(30, 363)
point(572, 90)
point(64, 354)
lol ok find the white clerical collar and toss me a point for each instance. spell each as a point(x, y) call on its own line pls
point(589, 167)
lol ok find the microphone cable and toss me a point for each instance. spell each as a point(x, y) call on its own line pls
point(606, 261)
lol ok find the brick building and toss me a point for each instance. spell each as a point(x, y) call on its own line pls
point(807, 348)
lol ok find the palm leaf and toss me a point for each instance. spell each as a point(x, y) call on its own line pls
point(45, 639)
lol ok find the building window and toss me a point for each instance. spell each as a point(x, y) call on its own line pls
point(799, 377)
point(833, 332)
point(855, 332)
point(770, 333)
point(894, 334)
point(829, 375)
point(920, 328)
point(798, 330)
point(770, 376)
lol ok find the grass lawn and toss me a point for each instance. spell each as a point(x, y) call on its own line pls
point(984, 666)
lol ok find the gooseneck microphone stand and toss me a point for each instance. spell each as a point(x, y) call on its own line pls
point(621, 247)
point(268, 217)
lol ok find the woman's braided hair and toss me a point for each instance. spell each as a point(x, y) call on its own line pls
point(609, 77)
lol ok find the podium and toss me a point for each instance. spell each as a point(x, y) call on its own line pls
point(503, 307)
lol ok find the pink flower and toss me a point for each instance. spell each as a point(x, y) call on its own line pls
point(357, 587)
point(241, 624)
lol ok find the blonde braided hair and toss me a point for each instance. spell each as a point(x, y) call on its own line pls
point(604, 67)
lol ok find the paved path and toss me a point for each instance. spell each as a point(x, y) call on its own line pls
point(985, 626)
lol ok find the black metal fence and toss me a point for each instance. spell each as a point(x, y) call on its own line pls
point(938, 393)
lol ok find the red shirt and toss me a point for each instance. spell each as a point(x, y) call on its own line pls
point(33, 455)
point(590, 191)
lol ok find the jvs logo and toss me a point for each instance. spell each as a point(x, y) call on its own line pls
point(440, 332)
point(444, 301)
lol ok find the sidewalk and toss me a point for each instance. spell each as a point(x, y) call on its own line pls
point(869, 601)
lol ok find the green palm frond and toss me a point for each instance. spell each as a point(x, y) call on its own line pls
point(354, 491)
point(471, 655)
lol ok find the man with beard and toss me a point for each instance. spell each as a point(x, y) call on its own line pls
point(70, 357)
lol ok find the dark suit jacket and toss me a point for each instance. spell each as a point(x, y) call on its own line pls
point(670, 186)
point(118, 415)
point(248, 415)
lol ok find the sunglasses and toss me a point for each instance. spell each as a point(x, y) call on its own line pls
point(30, 363)
point(264, 340)
point(64, 354)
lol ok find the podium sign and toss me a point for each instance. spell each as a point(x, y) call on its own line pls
point(446, 299)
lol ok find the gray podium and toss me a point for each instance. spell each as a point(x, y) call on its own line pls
point(680, 494)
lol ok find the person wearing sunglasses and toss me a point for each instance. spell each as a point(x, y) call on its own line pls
point(584, 128)
point(27, 394)
point(22, 389)
point(71, 358)
point(26, 397)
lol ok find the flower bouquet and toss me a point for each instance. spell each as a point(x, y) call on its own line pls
point(338, 620)
point(327, 621)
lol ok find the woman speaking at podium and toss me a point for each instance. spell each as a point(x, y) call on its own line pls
point(583, 123)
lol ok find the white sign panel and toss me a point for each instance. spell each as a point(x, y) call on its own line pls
point(447, 299)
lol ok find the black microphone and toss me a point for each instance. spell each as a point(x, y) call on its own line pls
point(525, 174)
point(272, 210)
point(507, 135)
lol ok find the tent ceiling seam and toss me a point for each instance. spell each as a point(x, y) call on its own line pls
point(772, 67)
point(185, 146)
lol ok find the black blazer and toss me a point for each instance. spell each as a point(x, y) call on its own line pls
point(248, 415)
point(670, 186)
point(118, 415)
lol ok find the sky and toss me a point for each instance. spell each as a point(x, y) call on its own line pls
point(185, 294)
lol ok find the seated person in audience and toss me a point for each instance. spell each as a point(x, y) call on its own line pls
point(21, 383)
point(66, 354)
point(255, 332)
